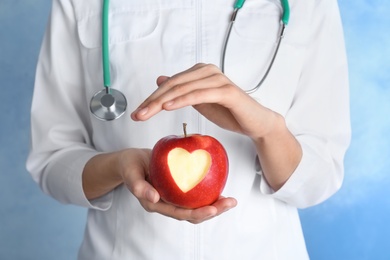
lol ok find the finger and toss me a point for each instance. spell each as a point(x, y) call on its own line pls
point(202, 214)
point(136, 182)
point(178, 81)
point(211, 89)
point(225, 204)
point(164, 82)
point(197, 71)
point(161, 79)
point(143, 190)
point(210, 86)
point(192, 215)
point(217, 208)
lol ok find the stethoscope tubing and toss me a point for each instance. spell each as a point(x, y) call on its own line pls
point(284, 21)
point(105, 45)
point(107, 104)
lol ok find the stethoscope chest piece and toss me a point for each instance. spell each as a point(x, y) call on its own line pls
point(108, 106)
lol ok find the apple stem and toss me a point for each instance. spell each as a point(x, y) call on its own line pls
point(185, 129)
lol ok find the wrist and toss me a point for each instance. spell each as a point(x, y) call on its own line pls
point(130, 159)
point(273, 126)
point(101, 175)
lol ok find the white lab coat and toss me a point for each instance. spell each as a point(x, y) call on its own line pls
point(308, 85)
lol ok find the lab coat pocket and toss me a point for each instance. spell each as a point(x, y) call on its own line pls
point(259, 21)
point(128, 26)
point(124, 25)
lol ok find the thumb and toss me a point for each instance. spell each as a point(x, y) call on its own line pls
point(160, 80)
point(146, 191)
point(152, 195)
point(142, 189)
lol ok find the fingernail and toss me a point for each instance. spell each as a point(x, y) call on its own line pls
point(143, 111)
point(150, 195)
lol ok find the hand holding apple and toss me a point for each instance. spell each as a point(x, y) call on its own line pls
point(134, 173)
point(189, 171)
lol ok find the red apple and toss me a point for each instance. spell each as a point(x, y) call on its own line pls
point(189, 171)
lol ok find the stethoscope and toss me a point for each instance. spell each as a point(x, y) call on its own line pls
point(109, 104)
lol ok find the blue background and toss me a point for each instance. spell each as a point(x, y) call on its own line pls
point(351, 225)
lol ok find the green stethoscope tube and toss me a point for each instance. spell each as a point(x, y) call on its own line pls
point(105, 46)
point(286, 12)
point(239, 4)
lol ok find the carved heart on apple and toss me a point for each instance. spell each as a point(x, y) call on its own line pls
point(189, 171)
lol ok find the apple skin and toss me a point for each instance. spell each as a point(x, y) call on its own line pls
point(204, 193)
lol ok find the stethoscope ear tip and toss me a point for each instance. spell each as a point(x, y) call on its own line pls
point(108, 106)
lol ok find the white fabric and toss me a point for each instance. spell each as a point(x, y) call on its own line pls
point(308, 85)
